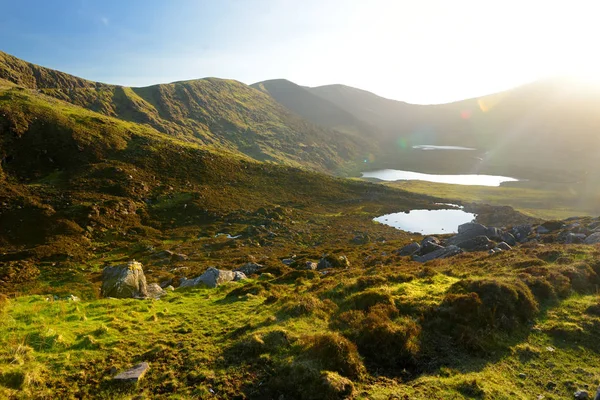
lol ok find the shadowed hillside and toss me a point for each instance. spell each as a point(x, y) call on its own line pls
point(222, 113)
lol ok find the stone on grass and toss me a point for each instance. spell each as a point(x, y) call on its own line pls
point(134, 374)
point(124, 281)
point(212, 278)
point(581, 395)
point(504, 246)
point(155, 291)
point(288, 261)
point(249, 268)
point(310, 265)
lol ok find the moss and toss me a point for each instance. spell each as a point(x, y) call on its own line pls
point(504, 303)
point(335, 353)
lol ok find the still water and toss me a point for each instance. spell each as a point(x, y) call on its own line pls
point(398, 175)
point(427, 222)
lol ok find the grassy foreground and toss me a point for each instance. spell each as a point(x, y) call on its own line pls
point(515, 325)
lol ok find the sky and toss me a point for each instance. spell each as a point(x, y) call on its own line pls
point(419, 51)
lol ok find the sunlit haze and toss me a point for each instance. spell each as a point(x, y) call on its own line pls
point(424, 51)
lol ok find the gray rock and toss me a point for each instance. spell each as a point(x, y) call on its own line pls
point(170, 288)
point(288, 261)
point(597, 397)
point(134, 374)
point(239, 276)
point(504, 246)
point(409, 249)
point(509, 238)
point(249, 268)
point(311, 265)
point(542, 230)
point(473, 229)
point(572, 238)
point(478, 243)
point(581, 395)
point(441, 253)
point(522, 375)
point(212, 278)
point(124, 281)
point(593, 238)
point(430, 239)
point(429, 247)
point(155, 291)
point(467, 231)
point(521, 232)
point(494, 233)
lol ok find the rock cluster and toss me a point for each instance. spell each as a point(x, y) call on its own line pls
point(213, 277)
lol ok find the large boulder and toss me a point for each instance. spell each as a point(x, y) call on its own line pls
point(124, 281)
point(441, 253)
point(478, 243)
point(467, 231)
point(212, 278)
point(429, 244)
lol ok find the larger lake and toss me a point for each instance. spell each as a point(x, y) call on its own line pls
point(398, 175)
point(427, 222)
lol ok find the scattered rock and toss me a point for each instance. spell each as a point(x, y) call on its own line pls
point(509, 238)
point(494, 233)
point(409, 249)
point(581, 395)
point(593, 238)
point(571, 238)
point(441, 253)
point(212, 278)
point(288, 261)
point(170, 288)
point(124, 281)
point(542, 230)
point(521, 232)
point(428, 247)
point(522, 375)
point(73, 298)
point(311, 265)
point(155, 291)
point(249, 268)
point(551, 226)
point(134, 374)
point(330, 261)
point(362, 238)
point(504, 246)
point(477, 243)
point(179, 257)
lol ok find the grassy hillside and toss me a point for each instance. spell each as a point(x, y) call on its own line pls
point(217, 112)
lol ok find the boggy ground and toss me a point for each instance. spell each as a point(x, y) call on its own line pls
point(519, 324)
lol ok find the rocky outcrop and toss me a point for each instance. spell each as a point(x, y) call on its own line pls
point(212, 278)
point(124, 281)
point(477, 243)
point(444, 252)
point(134, 374)
point(593, 238)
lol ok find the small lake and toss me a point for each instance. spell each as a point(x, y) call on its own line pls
point(399, 175)
point(427, 222)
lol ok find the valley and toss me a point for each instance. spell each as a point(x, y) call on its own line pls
point(261, 263)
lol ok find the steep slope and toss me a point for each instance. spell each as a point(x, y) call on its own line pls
point(313, 107)
point(222, 113)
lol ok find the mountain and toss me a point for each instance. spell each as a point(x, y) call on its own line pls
point(315, 108)
point(225, 114)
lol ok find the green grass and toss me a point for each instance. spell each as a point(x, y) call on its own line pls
point(203, 340)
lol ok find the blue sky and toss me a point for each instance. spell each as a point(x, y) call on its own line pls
point(425, 51)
